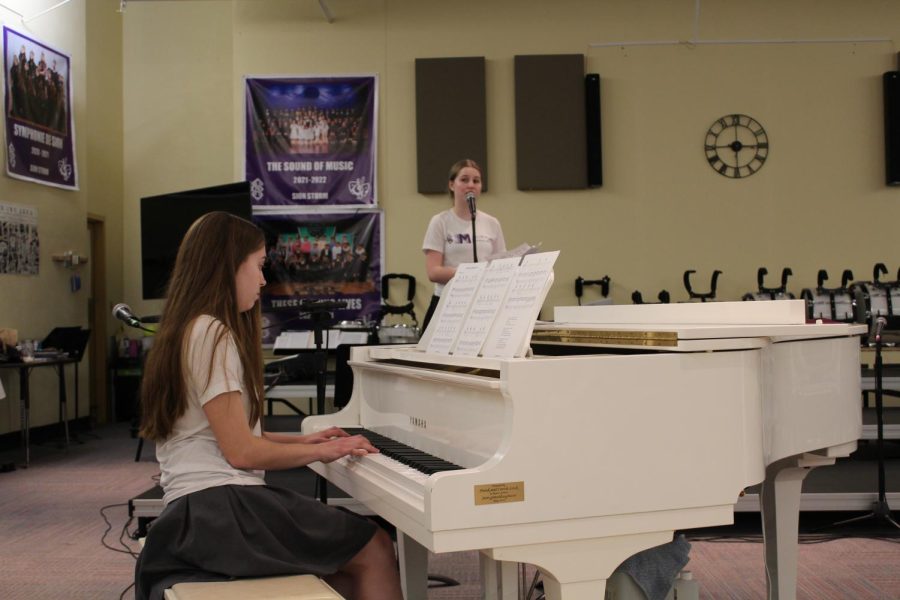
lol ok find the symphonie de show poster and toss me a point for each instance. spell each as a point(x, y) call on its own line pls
point(40, 134)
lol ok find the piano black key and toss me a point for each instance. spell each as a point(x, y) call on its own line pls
point(407, 455)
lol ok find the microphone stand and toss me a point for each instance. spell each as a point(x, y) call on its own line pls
point(474, 240)
point(470, 200)
point(138, 323)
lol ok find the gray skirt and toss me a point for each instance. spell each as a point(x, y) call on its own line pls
point(232, 531)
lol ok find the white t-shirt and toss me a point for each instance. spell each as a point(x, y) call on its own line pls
point(190, 459)
point(452, 236)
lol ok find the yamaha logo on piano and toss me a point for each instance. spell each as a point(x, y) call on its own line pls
point(418, 422)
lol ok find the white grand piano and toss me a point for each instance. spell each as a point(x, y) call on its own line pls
point(625, 424)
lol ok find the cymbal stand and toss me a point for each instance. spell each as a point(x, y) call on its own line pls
point(881, 510)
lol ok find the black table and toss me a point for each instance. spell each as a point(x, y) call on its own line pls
point(25, 369)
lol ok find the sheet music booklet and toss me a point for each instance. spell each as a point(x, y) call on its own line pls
point(490, 308)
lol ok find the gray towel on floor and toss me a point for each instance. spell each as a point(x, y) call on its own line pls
point(654, 570)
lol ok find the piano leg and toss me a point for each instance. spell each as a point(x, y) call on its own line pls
point(413, 559)
point(500, 580)
point(779, 501)
point(578, 569)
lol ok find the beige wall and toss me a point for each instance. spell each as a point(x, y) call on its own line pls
point(35, 304)
point(158, 107)
point(819, 202)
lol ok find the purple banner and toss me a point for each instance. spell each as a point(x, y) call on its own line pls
point(335, 257)
point(311, 140)
point(40, 135)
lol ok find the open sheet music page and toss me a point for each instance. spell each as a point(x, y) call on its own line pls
point(511, 331)
point(425, 338)
point(293, 340)
point(490, 297)
point(459, 299)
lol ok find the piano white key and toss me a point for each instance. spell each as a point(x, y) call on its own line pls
point(404, 476)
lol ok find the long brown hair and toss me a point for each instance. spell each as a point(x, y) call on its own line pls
point(459, 166)
point(203, 283)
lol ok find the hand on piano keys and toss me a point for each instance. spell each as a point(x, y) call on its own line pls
point(343, 445)
point(317, 437)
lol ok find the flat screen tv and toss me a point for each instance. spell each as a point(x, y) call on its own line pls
point(166, 218)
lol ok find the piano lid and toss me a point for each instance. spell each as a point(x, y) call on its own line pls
point(687, 327)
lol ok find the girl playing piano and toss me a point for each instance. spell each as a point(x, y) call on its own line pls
point(202, 396)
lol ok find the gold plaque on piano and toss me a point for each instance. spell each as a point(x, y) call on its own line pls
point(498, 493)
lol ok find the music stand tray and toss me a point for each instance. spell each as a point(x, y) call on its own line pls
point(71, 340)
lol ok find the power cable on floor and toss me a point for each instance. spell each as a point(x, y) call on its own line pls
point(127, 550)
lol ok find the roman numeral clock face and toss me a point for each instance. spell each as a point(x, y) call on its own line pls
point(736, 146)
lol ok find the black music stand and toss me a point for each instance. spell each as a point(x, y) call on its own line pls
point(319, 314)
point(71, 341)
point(881, 510)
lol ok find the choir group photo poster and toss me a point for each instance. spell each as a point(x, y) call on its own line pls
point(310, 141)
point(40, 135)
point(320, 256)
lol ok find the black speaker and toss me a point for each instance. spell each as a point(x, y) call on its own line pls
point(451, 120)
point(550, 149)
point(892, 127)
point(592, 127)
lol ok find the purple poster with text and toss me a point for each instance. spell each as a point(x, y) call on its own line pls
point(40, 134)
point(310, 141)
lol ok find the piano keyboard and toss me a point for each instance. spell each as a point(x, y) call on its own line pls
point(406, 455)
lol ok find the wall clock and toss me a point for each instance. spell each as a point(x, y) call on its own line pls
point(736, 146)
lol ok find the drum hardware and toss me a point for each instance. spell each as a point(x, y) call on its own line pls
point(663, 297)
point(399, 332)
point(603, 282)
point(876, 297)
point(767, 293)
point(836, 304)
point(702, 297)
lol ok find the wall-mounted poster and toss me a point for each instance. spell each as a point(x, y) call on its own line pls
point(20, 246)
point(40, 134)
point(334, 257)
point(310, 140)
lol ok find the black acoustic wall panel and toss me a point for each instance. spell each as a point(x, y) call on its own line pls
point(551, 151)
point(592, 124)
point(892, 127)
point(450, 118)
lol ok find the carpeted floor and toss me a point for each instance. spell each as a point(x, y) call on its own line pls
point(51, 527)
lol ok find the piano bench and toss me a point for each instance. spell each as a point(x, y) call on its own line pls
point(289, 587)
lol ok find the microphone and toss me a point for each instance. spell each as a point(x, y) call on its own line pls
point(877, 327)
point(123, 313)
point(470, 200)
